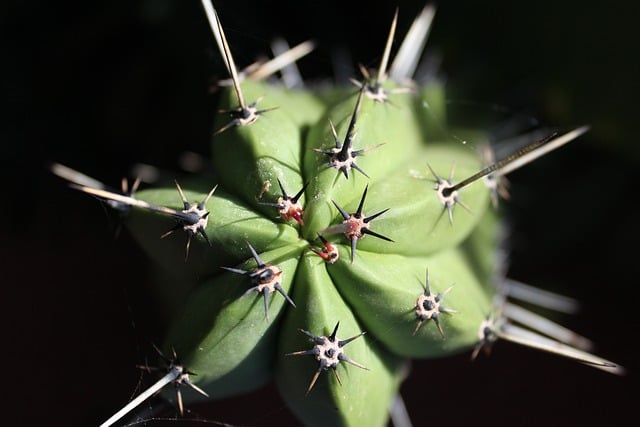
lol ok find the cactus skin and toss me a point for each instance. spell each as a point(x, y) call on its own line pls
point(227, 340)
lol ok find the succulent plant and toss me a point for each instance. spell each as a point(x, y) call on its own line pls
point(342, 224)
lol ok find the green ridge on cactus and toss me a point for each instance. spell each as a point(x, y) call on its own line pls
point(224, 338)
point(364, 396)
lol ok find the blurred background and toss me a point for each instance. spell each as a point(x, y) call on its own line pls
point(102, 85)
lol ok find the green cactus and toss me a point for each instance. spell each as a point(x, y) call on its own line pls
point(334, 212)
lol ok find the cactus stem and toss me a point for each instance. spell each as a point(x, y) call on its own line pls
point(272, 148)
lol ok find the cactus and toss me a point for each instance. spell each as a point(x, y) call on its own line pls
point(342, 224)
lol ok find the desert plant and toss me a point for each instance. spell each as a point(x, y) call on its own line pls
point(335, 211)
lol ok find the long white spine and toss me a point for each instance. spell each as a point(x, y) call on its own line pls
point(169, 378)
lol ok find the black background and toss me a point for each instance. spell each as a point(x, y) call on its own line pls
point(101, 85)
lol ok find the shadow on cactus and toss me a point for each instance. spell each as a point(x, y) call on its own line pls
point(392, 230)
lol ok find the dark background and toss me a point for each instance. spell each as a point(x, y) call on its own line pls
point(101, 85)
